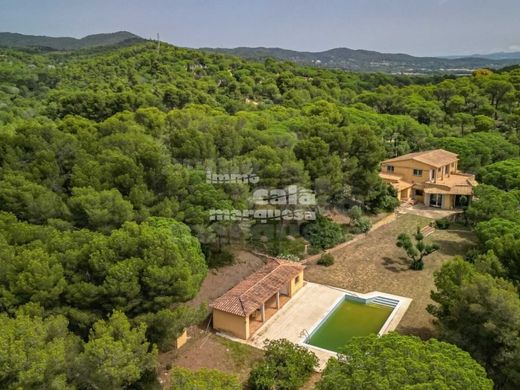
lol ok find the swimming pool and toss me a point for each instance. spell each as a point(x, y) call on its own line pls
point(350, 317)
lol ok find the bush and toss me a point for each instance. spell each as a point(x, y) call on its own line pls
point(295, 247)
point(288, 257)
point(286, 366)
point(358, 222)
point(443, 223)
point(323, 233)
point(184, 379)
point(355, 213)
point(326, 260)
point(364, 224)
point(220, 259)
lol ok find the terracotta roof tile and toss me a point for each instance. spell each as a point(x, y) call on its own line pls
point(248, 295)
point(436, 158)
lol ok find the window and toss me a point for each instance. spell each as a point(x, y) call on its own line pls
point(297, 279)
point(419, 193)
point(417, 172)
point(389, 168)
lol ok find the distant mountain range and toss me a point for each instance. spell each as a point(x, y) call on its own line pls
point(373, 61)
point(502, 55)
point(339, 58)
point(8, 39)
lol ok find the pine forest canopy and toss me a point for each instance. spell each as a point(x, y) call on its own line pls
point(104, 203)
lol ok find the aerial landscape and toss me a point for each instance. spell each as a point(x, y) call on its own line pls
point(263, 195)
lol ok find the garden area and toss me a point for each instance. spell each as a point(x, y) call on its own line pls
point(375, 263)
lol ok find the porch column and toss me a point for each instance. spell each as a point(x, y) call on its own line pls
point(263, 312)
point(277, 300)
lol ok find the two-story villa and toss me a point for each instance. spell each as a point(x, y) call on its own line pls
point(429, 177)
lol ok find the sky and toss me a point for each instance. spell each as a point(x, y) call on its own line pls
point(417, 27)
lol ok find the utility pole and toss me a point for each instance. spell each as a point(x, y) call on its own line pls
point(158, 43)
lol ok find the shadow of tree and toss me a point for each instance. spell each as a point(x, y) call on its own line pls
point(400, 265)
point(451, 248)
point(422, 332)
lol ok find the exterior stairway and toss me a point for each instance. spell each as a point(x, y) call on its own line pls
point(427, 230)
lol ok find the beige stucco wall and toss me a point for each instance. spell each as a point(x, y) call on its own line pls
point(296, 285)
point(181, 340)
point(405, 194)
point(448, 202)
point(230, 323)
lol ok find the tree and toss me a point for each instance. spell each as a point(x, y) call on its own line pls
point(36, 353)
point(503, 174)
point(463, 119)
point(497, 89)
point(285, 366)
point(184, 379)
point(164, 326)
point(28, 200)
point(32, 275)
point(418, 251)
point(366, 152)
point(402, 362)
point(491, 202)
point(104, 210)
point(484, 123)
point(481, 314)
point(116, 355)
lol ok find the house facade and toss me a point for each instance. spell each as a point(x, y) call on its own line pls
point(244, 309)
point(431, 177)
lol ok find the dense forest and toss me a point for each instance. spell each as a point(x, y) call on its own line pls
point(104, 203)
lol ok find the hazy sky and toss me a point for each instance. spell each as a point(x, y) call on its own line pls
point(420, 27)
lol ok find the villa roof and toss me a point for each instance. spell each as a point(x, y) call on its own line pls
point(396, 181)
point(248, 295)
point(435, 158)
point(455, 184)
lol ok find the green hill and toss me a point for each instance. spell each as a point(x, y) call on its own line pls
point(372, 61)
point(15, 40)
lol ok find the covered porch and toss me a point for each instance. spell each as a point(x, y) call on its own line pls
point(266, 311)
point(247, 306)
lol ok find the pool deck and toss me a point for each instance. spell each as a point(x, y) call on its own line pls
point(306, 309)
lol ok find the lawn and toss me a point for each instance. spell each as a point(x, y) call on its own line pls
point(207, 350)
point(374, 263)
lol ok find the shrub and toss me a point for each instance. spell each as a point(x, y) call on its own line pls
point(364, 224)
point(220, 258)
point(416, 251)
point(323, 233)
point(286, 366)
point(294, 247)
point(326, 260)
point(183, 379)
point(355, 213)
point(443, 223)
point(288, 257)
